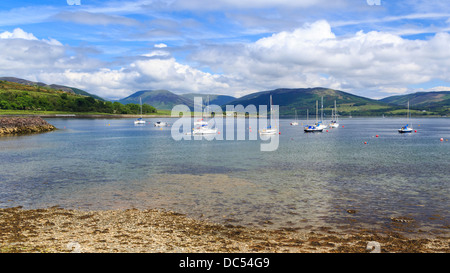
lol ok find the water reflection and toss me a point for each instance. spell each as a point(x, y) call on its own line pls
point(311, 180)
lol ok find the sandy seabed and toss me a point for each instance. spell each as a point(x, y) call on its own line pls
point(56, 230)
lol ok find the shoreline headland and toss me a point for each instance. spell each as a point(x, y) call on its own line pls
point(24, 125)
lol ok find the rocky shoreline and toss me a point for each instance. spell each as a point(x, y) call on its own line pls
point(55, 230)
point(24, 125)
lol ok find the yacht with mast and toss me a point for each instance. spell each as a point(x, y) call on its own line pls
point(139, 120)
point(204, 128)
point(269, 130)
point(312, 128)
point(408, 127)
point(334, 118)
point(319, 124)
point(295, 122)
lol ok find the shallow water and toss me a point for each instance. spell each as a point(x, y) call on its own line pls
point(311, 180)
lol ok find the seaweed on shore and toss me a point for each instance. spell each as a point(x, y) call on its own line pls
point(24, 125)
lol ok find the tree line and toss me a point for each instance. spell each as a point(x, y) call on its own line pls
point(68, 103)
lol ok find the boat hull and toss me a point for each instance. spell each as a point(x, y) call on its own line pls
point(268, 132)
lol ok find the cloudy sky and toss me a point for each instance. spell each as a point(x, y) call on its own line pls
point(235, 47)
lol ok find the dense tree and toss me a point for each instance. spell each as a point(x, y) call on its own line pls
point(66, 102)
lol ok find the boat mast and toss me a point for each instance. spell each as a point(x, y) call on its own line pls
point(321, 115)
point(409, 115)
point(335, 112)
point(317, 111)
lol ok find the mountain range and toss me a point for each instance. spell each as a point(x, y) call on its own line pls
point(166, 100)
point(290, 100)
point(301, 100)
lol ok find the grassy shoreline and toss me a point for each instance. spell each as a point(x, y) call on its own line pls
point(55, 230)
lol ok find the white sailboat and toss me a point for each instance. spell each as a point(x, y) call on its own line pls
point(140, 120)
point(200, 121)
point(334, 118)
point(204, 128)
point(269, 130)
point(161, 124)
point(320, 124)
point(312, 128)
point(407, 128)
point(295, 122)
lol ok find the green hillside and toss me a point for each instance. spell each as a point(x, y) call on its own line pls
point(213, 99)
point(303, 99)
point(426, 102)
point(160, 99)
point(51, 86)
point(23, 97)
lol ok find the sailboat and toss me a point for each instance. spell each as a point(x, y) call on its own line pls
point(312, 128)
point(269, 130)
point(200, 121)
point(295, 122)
point(204, 128)
point(319, 124)
point(140, 120)
point(161, 124)
point(334, 118)
point(407, 128)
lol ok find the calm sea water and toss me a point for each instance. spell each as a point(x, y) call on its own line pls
point(310, 181)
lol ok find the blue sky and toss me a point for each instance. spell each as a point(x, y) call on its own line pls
point(234, 47)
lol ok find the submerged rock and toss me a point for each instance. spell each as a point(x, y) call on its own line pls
point(24, 125)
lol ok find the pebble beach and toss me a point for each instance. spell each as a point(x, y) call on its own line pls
point(58, 230)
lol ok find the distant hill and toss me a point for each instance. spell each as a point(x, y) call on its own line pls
point(213, 99)
point(303, 99)
point(160, 99)
point(52, 86)
point(166, 100)
point(438, 101)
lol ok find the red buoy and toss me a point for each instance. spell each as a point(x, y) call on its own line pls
point(376, 136)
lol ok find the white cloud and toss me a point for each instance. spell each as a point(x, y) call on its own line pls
point(161, 45)
point(18, 33)
point(361, 63)
point(367, 64)
point(440, 88)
